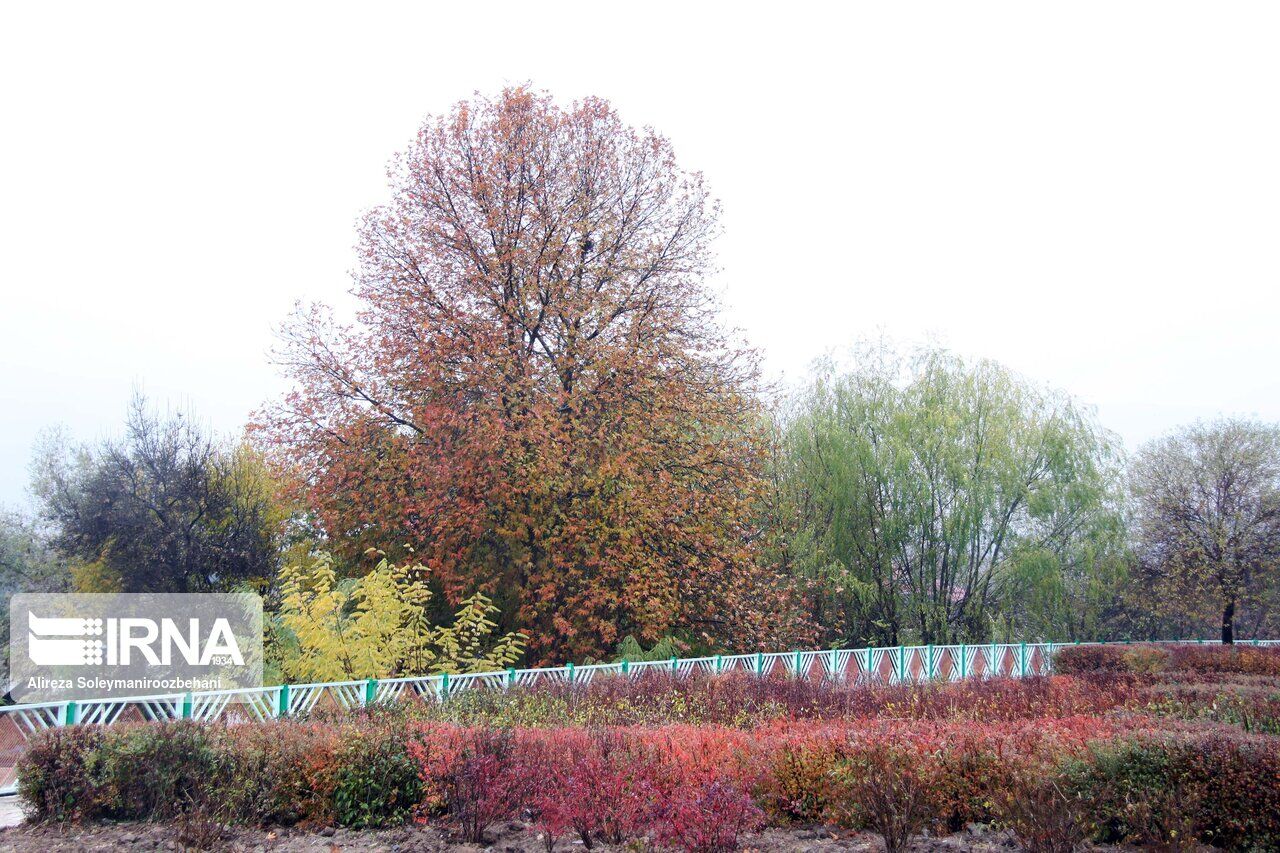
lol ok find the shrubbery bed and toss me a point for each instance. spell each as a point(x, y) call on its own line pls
point(1121, 751)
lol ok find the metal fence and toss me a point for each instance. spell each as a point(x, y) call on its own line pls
point(893, 665)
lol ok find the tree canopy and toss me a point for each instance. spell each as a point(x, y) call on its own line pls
point(165, 509)
point(538, 397)
point(1207, 505)
point(930, 500)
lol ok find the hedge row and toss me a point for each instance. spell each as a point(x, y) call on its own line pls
point(1151, 659)
point(1054, 781)
point(738, 700)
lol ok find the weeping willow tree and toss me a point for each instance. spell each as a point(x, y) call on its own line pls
point(926, 499)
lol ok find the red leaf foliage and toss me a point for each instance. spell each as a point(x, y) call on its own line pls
point(537, 397)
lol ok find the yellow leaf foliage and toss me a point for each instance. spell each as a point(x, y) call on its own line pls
point(377, 626)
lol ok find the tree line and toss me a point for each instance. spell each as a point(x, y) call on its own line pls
point(538, 404)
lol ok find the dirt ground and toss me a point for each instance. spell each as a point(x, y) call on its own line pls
point(507, 838)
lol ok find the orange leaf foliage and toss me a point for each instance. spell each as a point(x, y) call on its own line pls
point(538, 396)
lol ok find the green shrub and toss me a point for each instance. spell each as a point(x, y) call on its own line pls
point(1218, 786)
point(377, 782)
point(157, 771)
point(57, 776)
point(800, 785)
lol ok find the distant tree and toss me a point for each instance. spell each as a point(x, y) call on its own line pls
point(539, 398)
point(1207, 505)
point(27, 564)
point(926, 499)
point(166, 509)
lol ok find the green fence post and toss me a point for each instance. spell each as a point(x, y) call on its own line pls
point(70, 714)
point(719, 663)
point(674, 663)
point(759, 663)
point(511, 675)
point(444, 686)
point(569, 668)
point(626, 666)
point(902, 664)
point(929, 673)
point(282, 710)
point(186, 707)
point(796, 670)
point(370, 691)
point(1022, 661)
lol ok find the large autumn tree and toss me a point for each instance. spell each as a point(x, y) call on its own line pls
point(537, 397)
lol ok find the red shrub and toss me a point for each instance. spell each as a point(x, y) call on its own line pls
point(53, 778)
point(1251, 660)
point(280, 773)
point(473, 773)
point(891, 784)
point(704, 816)
point(593, 783)
point(1088, 659)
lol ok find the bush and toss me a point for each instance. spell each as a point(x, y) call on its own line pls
point(1089, 659)
point(377, 781)
point(1251, 706)
point(891, 784)
point(471, 773)
point(801, 783)
point(1217, 786)
point(151, 771)
point(279, 773)
point(57, 775)
point(704, 817)
point(1146, 660)
point(1249, 660)
point(593, 782)
point(744, 701)
point(1044, 815)
point(1039, 756)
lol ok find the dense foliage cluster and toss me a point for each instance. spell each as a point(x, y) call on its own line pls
point(378, 625)
point(538, 397)
point(940, 501)
point(166, 509)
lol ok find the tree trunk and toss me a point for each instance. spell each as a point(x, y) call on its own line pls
point(1228, 623)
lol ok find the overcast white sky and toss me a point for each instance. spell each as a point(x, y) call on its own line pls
point(1088, 192)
